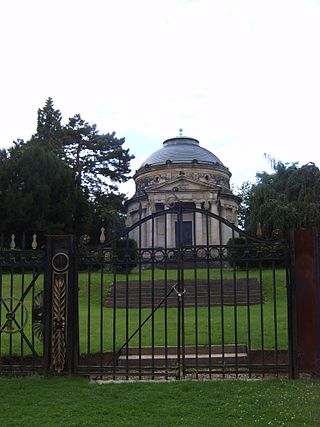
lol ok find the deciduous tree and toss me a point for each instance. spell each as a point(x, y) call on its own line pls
point(289, 197)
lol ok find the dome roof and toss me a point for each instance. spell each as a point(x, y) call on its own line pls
point(182, 150)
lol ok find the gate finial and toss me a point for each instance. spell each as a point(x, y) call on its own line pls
point(102, 235)
point(34, 243)
point(13, 243)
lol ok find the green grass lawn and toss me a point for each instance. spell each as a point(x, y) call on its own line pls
point(257, 314)
point(100, 335)
point(37, 401)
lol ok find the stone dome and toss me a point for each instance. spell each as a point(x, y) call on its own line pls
point(182, 150)
point(181, 171)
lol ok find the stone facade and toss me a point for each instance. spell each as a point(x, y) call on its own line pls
point(191, 175)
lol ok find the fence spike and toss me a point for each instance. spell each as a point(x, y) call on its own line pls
point(34, 243)
point(13, 243)
point(102, 235)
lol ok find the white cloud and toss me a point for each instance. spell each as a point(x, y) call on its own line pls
point(242, 77)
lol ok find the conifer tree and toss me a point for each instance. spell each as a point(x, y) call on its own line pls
point(99, 160)
point(49, 128)
point(64, 179)
point(37, 194)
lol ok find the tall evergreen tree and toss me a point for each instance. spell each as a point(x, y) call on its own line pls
point(98, 160)
point(49, 128)
point(65, 179)
point(37, 194)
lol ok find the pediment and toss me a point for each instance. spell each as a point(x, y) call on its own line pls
point(180, 184)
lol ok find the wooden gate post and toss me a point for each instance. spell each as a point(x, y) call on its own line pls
point(61, 337)
point(306, 288)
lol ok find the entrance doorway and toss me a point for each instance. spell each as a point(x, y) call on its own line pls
point(186, 231)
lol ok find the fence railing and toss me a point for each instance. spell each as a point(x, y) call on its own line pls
point(122, 310)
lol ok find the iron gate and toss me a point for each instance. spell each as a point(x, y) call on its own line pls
point(182, 293)
point(215, 303)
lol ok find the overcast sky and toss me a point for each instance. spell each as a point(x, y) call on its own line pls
point(241, 76)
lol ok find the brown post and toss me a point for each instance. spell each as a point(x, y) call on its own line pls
point(306, 287)
point(61, 301)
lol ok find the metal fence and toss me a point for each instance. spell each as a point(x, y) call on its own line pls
point(182, 293)
point(192, 307)
point(21, 307)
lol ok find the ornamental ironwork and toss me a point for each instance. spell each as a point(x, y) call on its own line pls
point(60, 265)
point(13, 323)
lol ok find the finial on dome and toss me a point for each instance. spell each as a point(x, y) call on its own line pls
point(180, 131)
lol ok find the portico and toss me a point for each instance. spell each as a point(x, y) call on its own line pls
point(182, 171)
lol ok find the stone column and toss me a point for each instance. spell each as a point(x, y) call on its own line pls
point(199, 228)
point(156, 232)
point(154, 229)
point(169, 230)
point(214, 224)
point(223, 227)
point(144, 231)
point(149, 228)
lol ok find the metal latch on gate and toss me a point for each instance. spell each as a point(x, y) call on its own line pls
point(174, 287)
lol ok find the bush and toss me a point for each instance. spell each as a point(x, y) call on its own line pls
point(243, 253)
point(125, 255)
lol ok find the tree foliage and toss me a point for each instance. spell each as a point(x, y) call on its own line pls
point(287, 198)
point(38, 193)
point(125, 255)
point(98, 160)
point(49, 129)
point(64, 179)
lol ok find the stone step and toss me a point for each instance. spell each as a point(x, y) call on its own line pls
point(131, 294)
point(227, 283)
point(186, 294)
point(163, 292)
point(233, 292)
point(189, 301)
point(135, 304)
point(200, 356)
point(204, 349)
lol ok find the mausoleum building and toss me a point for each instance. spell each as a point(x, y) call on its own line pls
point(182, 171)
